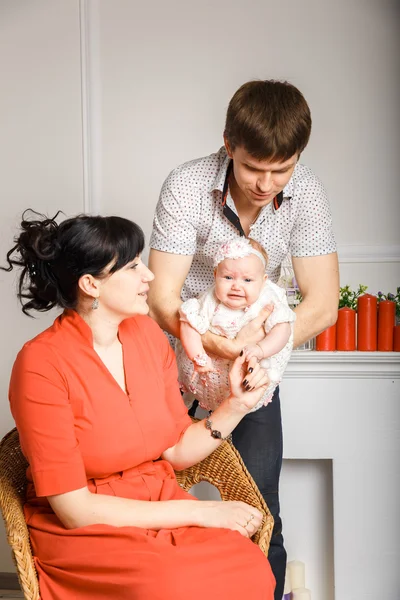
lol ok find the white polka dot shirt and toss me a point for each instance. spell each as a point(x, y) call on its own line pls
point(189, 219)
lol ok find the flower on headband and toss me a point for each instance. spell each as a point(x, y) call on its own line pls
point(236, 248)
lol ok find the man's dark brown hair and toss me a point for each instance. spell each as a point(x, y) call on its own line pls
point(270, 119)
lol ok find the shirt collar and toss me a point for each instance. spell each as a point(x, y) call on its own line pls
point(221, 176)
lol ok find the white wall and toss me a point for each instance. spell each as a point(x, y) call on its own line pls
point(157, 81)
point(40, 148)
point(163, 78)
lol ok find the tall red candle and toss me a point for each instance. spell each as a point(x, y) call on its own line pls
point(386, 319)
point(396, 338)
point(326, 340)
point(346, 329)
point(367, 323)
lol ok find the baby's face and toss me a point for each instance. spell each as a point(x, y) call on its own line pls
point(238, 281)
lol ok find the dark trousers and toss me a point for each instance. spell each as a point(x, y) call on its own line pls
point(258, 438)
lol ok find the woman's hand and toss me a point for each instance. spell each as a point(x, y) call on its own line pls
point(237, 516)
point(248, 383)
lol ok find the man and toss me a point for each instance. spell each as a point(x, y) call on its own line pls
point(254, 186)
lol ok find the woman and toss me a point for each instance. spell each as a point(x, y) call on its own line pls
point(103, 426)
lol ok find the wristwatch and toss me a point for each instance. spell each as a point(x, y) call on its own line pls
point(217, 435)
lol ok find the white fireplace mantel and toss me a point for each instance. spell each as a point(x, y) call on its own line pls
point(345, 407)
point(348, 365)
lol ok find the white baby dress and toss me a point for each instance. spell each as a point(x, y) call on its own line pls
point(206, 313)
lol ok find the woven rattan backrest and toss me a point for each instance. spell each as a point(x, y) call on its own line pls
point(12, 496)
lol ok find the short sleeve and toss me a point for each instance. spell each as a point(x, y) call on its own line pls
point(172, 391)
point(312, 234)
point(165, 354)
point(190, 312)
point(282, 313)
point(45, 422)
point(175, 220)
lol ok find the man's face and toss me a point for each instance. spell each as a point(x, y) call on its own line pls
point(260, 180)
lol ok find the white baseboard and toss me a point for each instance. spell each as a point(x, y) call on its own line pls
point(369, 254)
point(9, 581)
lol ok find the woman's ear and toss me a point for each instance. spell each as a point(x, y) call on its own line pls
point(265, 277)
point(89, 285)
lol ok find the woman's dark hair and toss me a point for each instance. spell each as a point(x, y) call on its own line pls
point(54, 256)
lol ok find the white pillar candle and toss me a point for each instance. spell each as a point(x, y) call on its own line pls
point(288, 583)
point(288, 586)
point(301, 594)
point(297, 574)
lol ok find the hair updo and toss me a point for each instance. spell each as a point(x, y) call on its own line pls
point(54, 256)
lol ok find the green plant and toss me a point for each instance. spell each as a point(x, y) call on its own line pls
point(348, 297)
point(393, 297)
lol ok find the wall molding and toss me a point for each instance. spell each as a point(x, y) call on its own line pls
point(369, 254)
point(90, 105)
point(344, 365)
point(9, 581)
point(83, 23)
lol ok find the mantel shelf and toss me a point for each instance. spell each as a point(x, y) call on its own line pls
point(348, 365)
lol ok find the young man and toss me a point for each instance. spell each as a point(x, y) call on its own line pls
point(253, 186)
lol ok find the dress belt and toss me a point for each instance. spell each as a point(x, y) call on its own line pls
point(146, 468)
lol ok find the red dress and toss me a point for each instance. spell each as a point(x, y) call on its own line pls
point(77, 427)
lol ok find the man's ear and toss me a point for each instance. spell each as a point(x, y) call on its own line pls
point(227, 147)
point(89, 285)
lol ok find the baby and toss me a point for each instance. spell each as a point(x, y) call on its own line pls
point(240, 291)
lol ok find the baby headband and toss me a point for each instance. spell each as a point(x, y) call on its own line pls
point(237, 248)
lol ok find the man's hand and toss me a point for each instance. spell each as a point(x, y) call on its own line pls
point(252, 333)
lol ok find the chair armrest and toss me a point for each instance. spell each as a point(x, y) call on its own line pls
point(225, 470)
point(12, 496)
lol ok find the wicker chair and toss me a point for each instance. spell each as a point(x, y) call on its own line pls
point(223, 468)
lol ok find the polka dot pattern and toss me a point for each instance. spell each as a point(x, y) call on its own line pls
point(189, 219)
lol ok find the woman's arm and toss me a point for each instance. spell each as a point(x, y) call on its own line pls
point(196, 443)
point(81, 508)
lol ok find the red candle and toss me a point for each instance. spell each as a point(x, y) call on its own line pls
point(386, 319)
point(367, 323)
point(346, 329)
point(326, 340)
point(396, 338)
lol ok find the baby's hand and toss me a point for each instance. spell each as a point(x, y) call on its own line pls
point(253, 351)
point(203, 363)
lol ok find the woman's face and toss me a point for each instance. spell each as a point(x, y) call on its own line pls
point(124, 293)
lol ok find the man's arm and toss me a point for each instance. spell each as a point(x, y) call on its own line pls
point(164, 296)
point(164, 299)
point(318, 280)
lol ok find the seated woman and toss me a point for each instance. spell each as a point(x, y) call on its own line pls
point(103, 426)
